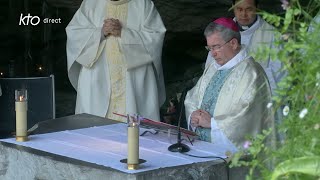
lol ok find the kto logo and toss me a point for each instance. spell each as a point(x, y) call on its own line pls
point(25, 20)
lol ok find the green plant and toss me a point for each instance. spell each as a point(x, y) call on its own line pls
point(298, 155)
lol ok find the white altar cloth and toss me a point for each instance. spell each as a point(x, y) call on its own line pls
point(107, 145)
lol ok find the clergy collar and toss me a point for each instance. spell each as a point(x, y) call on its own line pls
point(252, 27)
point(243, 28)
point(118, 2)
point(242, 55)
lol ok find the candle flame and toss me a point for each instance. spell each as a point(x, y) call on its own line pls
point(21, 98)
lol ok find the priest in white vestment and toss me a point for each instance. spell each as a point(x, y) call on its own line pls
point(114, 52)
point(230, 99)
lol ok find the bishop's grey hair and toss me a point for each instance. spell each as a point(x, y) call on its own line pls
point(225, 33)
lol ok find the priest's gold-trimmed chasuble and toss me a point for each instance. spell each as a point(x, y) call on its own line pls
point(116, 64)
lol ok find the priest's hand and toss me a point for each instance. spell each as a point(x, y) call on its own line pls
point(112, 27)
point(107, 27)
point(201, 118)
point(116, 28)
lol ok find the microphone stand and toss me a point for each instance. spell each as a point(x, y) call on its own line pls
point(180, 147)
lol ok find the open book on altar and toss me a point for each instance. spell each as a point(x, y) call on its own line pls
point(156, 125)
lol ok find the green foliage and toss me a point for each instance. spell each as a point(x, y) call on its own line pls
point(306, 165)
point(298, 155)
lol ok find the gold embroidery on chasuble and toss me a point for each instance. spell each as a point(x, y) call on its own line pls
point(116, 65)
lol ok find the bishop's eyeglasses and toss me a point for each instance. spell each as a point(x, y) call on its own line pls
point(216, 47)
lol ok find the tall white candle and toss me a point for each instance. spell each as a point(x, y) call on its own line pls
point(21, 114)
point(133, 144)
point(21, 118)
point(133, 141)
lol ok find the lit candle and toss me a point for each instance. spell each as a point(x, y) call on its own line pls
point(133, 143)
point(21, 114)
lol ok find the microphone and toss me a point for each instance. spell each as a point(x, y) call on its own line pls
point(180, 147)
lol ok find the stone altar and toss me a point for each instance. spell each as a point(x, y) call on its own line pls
point(19, 162)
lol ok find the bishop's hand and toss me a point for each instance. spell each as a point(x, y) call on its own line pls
point(200, 118)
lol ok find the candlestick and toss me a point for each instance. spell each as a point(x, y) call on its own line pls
point(133, 142)
point(21, 114)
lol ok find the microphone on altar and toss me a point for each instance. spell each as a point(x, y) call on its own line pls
point(180, 147)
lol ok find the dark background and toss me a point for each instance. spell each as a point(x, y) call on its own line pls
point(24, 49)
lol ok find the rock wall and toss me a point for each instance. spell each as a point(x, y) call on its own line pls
point(24, 49)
